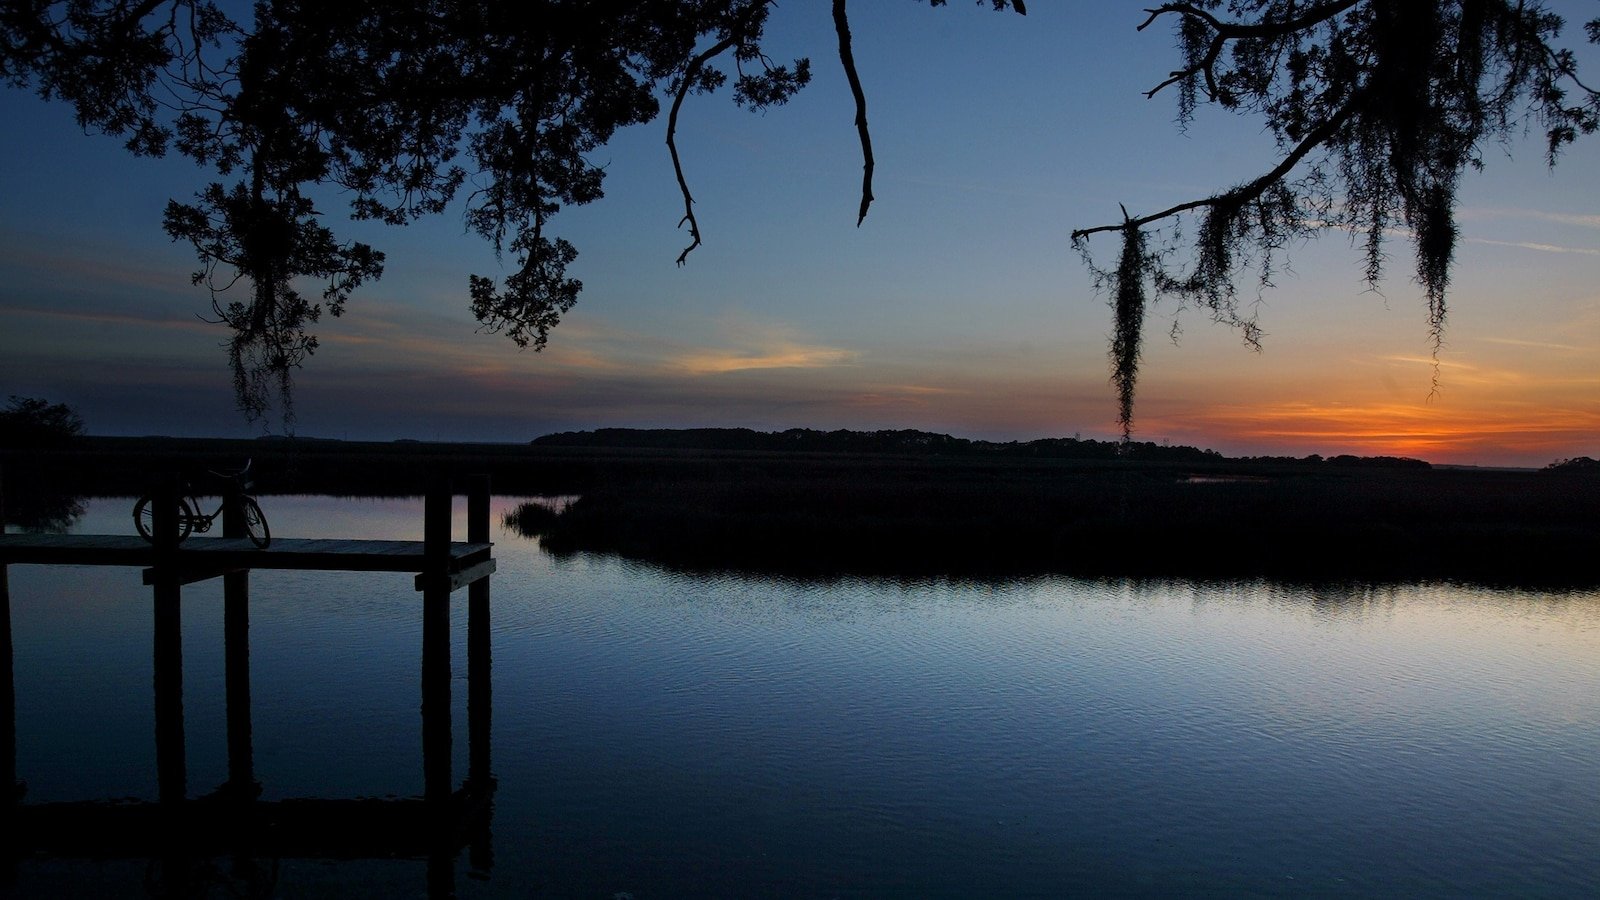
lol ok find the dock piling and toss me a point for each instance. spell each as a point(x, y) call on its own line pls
point(8, 690)
point(171, 767)
point(479, 692)
point(436, 643)
point(8, 698)
point(236, 663)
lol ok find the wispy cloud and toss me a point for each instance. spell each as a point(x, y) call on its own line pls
point(111, 318)
point(900, 396)
point(22, 251)
point(1578, 219)
point(1541, 345)
point(1456, 374)
point(1428, 361)
point(1535, 245)
point(1581, 221)
point(925, 390)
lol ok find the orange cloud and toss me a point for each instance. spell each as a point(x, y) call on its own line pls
point(787, 356)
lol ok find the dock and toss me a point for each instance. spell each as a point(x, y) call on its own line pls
point(327, 554)
point(439, 823)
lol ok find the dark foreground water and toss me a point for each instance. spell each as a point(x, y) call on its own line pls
point(662, 735)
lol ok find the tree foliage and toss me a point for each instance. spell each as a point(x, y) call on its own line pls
point(35, 424)
point(395, 105)
point(1377, 108)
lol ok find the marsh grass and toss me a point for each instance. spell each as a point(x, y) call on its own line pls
point(1367, 524)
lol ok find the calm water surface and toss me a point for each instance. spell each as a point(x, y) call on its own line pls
point(666, 735)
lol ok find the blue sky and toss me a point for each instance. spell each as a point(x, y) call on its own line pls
point(958, 307)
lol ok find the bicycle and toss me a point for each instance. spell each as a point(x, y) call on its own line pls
point(191, 519)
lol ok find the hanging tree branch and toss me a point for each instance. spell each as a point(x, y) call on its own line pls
point(691, 72)
point(1223, 32)
point(847, 59)
point(755, 92)
point(841, 24)
point(1244, 193)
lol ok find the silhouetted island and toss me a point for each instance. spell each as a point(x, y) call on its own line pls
point(826, 503)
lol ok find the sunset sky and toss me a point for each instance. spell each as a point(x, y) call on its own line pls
point(958, 307)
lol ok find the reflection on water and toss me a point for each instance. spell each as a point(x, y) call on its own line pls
point(51, 512)
point(664, 734)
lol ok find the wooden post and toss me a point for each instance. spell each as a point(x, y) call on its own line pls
point(236, 664)
point(8, 731)
point(11, 787)
point(8, 699)
point(171, 768)
point(441, 870)
point(436, 644)
point(436, 524)
point(8, 690)
point(479, 691)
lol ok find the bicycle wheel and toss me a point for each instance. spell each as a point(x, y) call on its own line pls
point(255, 522)
point(144, 518)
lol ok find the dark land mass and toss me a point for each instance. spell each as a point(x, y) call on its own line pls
point(911, 503)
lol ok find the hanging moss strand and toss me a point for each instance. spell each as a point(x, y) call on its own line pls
point(1129, 301)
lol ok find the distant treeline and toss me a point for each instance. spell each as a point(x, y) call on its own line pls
point(1576, 464)
point(923, 443)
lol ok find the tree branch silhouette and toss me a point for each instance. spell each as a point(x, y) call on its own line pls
point(847, 58)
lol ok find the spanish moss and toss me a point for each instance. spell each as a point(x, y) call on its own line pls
point(1377, 109)
point(1129, 305)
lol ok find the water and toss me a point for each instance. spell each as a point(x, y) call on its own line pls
point(666, 735)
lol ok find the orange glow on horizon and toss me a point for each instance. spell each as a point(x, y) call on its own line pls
point(1523, 431)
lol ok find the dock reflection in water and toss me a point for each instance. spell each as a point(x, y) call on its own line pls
point(180, 835)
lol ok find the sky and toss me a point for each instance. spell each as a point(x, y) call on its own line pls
point(958, 306)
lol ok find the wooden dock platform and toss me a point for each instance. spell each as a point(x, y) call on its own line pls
point(235, 553)
point(198, 559)
point(441, 822)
